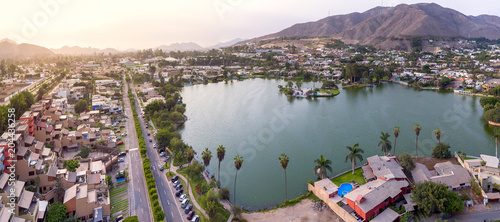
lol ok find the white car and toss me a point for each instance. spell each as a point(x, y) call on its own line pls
point(121, 160)
point(162, 154)
point(183, 197)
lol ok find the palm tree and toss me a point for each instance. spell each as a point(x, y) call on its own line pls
point(384, 143)
point(354, 152)
point(238, 161)
point(396, 134)
point(417, 129)
point(189, 154)
point(495, 136)
point(284, 163)
point(221, 152)
point(322, 164)
point(206, 156)
point(437, 133)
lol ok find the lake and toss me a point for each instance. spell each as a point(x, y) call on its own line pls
point(253, 119)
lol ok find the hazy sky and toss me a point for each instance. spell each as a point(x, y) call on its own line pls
point(124, 24)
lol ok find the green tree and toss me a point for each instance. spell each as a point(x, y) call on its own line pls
point(488, 100)
point(131, 219)
point(221, 152)
point(437, 133)
point(189, 154)
point(81, 106)
point(496, 135)
point(71, 165)
point(354, 153)
point(406, 162)
point(441, 151)
point(163, 137)
point(84, 152)
point(206, 156)
point(284, 163)
point(289, 84)
point(322, 165)
point(417, 129)
point(109, 181)
point(492, 115)
point(56, 212)
point(396, 134)
point(384, 144)
point(329, 85)
point(40, 93)
point(432, 197)
point(238, 162)
point(224, 193)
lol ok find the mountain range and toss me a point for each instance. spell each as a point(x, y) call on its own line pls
point(379, 25)
point(9, 48)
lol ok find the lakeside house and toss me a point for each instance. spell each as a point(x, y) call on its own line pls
point(453, 176)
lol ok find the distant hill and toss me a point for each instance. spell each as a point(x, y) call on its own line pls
point(76, 50)
point(378, 25)
point(226, 44)
point(9, 49)
point(190, 46)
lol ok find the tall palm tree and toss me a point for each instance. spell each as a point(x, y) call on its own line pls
point(284, 163)
point(396, 134)
point(322, 164)
point(384, 144)
point(189, 154)
point(206, 156)
point(417, 129)
point(437, 133)
point(238, 161)
point(221, 152)
point(354, 152)
point(495, 136)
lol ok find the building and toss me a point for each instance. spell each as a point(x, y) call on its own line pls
point(454, 176)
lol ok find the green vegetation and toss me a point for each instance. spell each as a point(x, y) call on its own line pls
point(354, 153)
point(417, 129)
point(56, 212)
point(131, 219)
point(71, 165)
point(441, 151)
point(348, 177)
point(384, 144)
point(119, 200)
point(396, 134)
point(158, 213)
point(406, 162)
point(432, 197)
point(284, 163)
point(238, 162)
point(81, 106)
point(322, 165)
point(84, 152)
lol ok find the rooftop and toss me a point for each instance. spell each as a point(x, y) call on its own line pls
point(375, 192)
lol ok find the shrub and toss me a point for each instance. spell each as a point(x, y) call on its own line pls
point(441, 151)
point(492, 115)
point(406, 162)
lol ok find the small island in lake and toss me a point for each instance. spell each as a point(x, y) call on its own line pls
point(328, 89)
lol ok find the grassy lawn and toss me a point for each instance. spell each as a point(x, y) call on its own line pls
point(348, 177)
point(469, 158)
point(200, 199)
point(119, 200)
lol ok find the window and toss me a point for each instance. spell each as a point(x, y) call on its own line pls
point(31, 173)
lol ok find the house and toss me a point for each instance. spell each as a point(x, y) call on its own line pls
point(371, 198)
point(454, 176)
point(87, 200)
point(384, 168)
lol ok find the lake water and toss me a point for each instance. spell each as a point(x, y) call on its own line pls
point(252, 119)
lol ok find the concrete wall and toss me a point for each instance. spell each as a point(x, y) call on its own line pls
point(320, 193)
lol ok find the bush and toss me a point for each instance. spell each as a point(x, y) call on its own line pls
point(441, 151)
point(406, 162)
point(488, 100)
point(224, 193)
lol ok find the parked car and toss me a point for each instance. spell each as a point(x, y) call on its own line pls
point(119, 218)
point(179, 192)
point(184, 203)
point(149, 134)
point(124, 134)
point(165, 159)
point(162, 154)
point(190, 215)
point(160, 167)
point(176, 183)
point(118, 138)
point(121, 160)
point(175, 178)
point(188, 208)
point(196, 218)
point(119, 143)
point(182, 197)
point(154, 145)
point(178, 187)
point(150, 140)
point(122, 154)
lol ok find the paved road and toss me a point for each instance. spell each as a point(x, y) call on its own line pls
point(166, 193)
point(137, 191)
point(471, 217)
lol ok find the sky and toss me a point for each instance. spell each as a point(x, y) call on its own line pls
point(125, 24)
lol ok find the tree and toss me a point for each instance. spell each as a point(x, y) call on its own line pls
point(432, 197)
point(354, 153)
point(384, 144)
point(396, 134)
point(289, 84)
point(238, 162)
point(221, 152)
point(190, 154)
point(437, 133)
point(81, 106)
point(59, 189)
point(206, 156)
point(224, 193)
point(56, 212)
point(496, 135)
point(163, 137)
point(109, 181)
point(417, 129)
point(329, 85)
point(284, 163)
point(441, 150)
point(84, 152)
point(71, 165)
point(406, 162)
point(41, 92)
point(492, 115)
point(322, 165)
